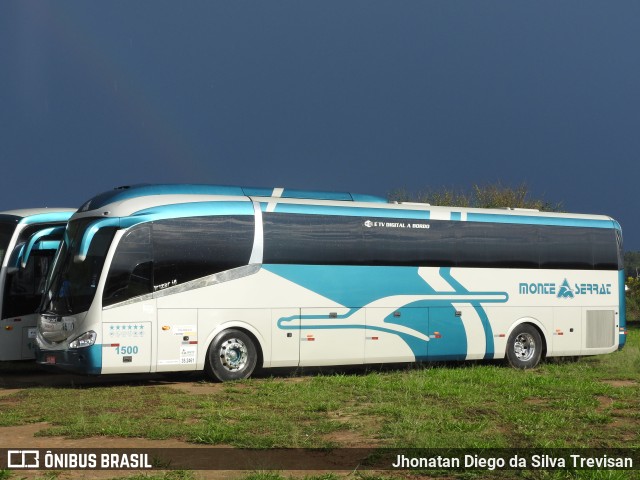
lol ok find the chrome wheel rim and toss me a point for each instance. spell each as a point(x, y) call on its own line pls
point(234, 355)
point(524, 347)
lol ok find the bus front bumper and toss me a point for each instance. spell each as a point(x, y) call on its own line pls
point(77, 360)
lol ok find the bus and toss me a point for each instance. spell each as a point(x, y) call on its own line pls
point(29, 239)
point(169, 278)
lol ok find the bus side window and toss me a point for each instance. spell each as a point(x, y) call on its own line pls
point(194, 247)
point(131, 272)
point(24, 287)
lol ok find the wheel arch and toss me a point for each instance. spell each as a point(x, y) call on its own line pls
point(535, 324)
point(247, 329)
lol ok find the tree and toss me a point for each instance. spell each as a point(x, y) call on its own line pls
point(632, 264)
point(632, 273)
point(492, 195)
point(633, 299)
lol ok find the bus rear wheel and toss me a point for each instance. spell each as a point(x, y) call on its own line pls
point(232, 356)
point(524, 347)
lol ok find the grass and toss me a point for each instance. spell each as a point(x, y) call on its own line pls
point(594, 402)
point(467, 406)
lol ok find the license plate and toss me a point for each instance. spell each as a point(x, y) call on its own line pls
point(51, 359)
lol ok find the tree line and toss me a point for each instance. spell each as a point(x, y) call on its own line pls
point(491, 195)
point(632, 274)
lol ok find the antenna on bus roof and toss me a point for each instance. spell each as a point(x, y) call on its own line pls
point(422, 204)
point(519, 209)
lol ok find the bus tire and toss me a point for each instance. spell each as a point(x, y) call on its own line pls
point(524, 347)
point(232, 355)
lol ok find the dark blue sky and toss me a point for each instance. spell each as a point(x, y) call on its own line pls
point(362, 96)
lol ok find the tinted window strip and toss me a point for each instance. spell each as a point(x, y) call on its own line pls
point(338, 240)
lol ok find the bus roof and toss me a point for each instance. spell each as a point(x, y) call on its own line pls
point(37, 215)
point(121, 194)
point(138, 200)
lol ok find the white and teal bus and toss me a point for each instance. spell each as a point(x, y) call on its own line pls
point(164, 278)
point(29, 239)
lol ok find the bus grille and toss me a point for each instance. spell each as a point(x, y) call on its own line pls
point(600, 328)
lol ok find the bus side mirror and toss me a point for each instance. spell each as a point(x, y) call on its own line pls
point(85, 243)
point(36, 242)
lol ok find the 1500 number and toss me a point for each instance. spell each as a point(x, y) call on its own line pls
point(127, 350)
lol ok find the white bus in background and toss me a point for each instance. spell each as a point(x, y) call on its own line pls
point(161, 278)
point(29, 239)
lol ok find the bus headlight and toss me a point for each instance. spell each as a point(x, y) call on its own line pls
point(85, 340)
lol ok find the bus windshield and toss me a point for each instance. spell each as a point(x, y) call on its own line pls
point(72, 283)
point(6, 231)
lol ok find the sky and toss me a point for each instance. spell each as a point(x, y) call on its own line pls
point(363, 96)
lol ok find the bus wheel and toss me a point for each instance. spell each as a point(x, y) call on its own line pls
point(232, 356)
point(524, 347)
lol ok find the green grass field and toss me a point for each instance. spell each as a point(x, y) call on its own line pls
point(594, 402)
